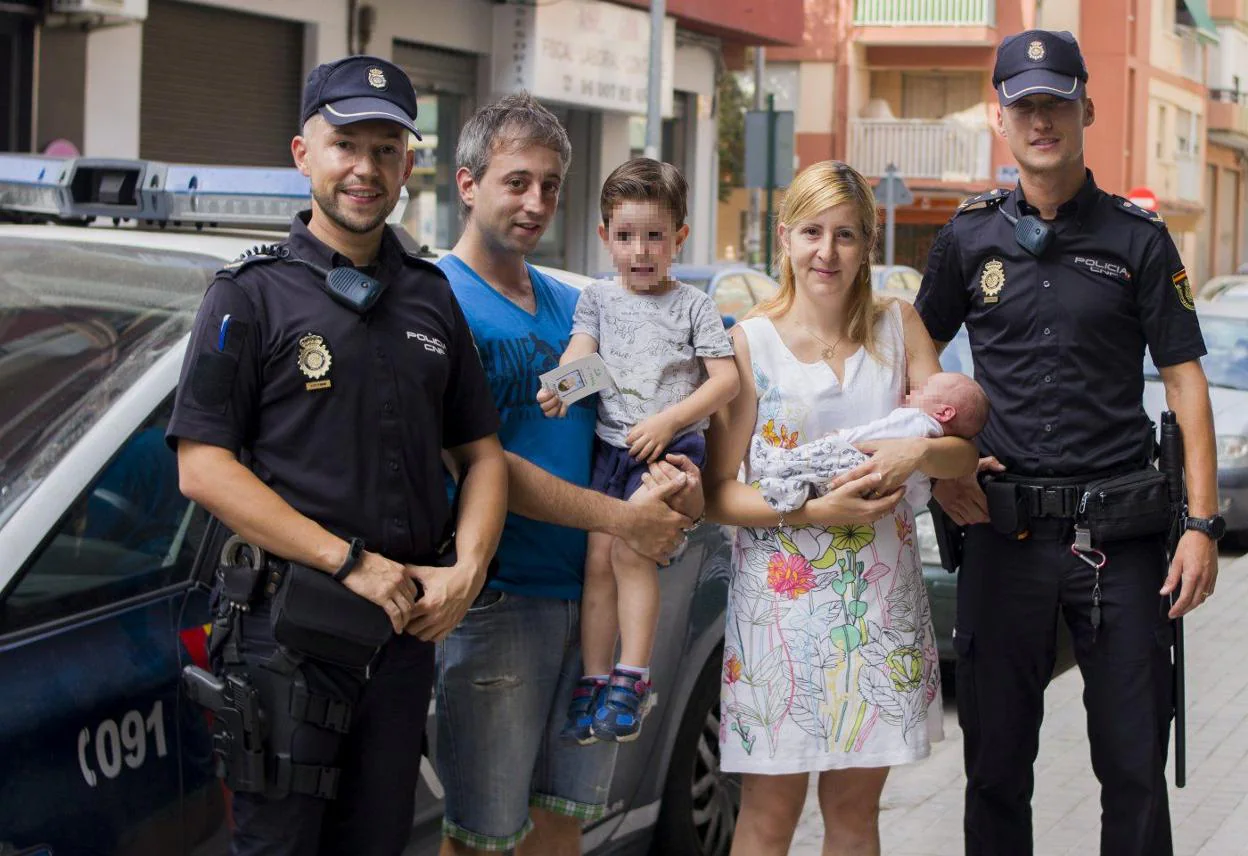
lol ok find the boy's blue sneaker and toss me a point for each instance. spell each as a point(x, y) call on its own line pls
point(579, 726)
point(622, 707)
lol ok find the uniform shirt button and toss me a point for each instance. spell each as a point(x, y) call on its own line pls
point(1048, 378)
point(394, 465)
point(1046, 283)
point(1046, 331)
point(397, 521)
point(1048, 427)
point(388, 407)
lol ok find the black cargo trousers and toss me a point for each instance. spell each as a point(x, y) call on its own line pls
point(379, 757)
point(1009, 595)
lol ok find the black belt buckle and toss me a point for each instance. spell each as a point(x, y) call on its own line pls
point(1057, 501)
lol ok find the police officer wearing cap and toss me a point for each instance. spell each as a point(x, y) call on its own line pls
point(1062, 286)
point(311, 422)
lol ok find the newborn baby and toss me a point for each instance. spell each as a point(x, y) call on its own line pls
point(947, 404)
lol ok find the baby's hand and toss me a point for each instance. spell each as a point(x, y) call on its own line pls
point(650, 437)
point(552, 405)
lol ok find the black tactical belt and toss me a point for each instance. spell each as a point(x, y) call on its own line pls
point(1055, 498)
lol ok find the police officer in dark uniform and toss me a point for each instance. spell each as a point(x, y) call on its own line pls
point(1061, 286)
point(310, 420)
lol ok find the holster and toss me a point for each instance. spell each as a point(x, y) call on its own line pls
point(1008, 510)
point(949, 537)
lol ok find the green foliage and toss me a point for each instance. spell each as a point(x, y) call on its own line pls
point(732, 107)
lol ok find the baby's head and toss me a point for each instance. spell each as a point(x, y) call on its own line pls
point(643, 221)
point(955, 401)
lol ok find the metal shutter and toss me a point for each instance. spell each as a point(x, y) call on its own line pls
point(219, 86)
point(433, 70)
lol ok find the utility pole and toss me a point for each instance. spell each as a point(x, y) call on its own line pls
point(654, 101)
point(753, 228)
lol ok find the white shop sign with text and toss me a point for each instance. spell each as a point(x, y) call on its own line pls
point(580, 52)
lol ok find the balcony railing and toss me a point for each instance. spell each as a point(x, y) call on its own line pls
point(935, 150)
point(925, 13)
point(1229, 96)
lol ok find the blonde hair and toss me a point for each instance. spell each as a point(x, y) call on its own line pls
point(817, 188)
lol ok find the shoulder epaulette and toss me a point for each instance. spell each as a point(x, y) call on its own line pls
point(257, 254)
point(1128, 207)
point(991, 199)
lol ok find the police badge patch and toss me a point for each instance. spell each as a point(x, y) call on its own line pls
point(1035, 51)
point(1184, 289)
point(992, 279)
point(376, 78)
point(315, 361)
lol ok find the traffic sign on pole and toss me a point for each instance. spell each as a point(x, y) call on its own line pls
point(891, 192)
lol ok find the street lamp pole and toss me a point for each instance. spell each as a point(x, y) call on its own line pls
point(654, 100)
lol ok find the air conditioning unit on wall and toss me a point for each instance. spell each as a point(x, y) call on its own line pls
point(115, 10)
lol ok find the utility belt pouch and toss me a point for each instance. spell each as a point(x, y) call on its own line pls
point(317, 616)
point(1135, 505)
point(1007, 508)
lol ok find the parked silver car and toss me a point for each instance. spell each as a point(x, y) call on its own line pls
point(1225, 327)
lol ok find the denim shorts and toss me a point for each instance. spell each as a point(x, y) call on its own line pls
point(505, 678)
point(617, 473)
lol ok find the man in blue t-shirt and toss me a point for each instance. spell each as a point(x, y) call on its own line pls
point(507, 670)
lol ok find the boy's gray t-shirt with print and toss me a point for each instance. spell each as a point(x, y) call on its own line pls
point(653, 345)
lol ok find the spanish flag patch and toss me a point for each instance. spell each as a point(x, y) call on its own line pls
point(1184, 289)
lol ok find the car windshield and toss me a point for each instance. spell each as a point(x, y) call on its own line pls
point(1226, 364)
point(79, 323)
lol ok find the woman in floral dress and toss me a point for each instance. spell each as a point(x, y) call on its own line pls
point(829, 663)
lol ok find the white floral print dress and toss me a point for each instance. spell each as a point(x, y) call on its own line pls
point(829, 657)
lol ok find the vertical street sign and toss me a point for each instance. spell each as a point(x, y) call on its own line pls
point(891, 192)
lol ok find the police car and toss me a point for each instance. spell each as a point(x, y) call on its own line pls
point(103, 582)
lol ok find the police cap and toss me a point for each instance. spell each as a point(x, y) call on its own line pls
point(1039, 62)
point(360, 89)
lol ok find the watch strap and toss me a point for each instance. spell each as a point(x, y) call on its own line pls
point(355, 549)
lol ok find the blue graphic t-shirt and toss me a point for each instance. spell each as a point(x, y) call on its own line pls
point(535, 559)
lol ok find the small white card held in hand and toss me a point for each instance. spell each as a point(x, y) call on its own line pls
point(578, 378)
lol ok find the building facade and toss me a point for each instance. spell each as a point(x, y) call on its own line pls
point(878, 82)
point(218, 81)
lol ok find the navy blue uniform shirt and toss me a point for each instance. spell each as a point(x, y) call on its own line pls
point(1058, 342)
point(345, 415)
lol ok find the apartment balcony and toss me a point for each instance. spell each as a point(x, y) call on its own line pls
point(921, 149)
point(926, 22)
point(1228, 118)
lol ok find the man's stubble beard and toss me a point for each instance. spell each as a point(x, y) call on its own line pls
point(331, 209)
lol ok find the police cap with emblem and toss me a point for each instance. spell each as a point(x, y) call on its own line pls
point(1039, 62)
point(360, 89)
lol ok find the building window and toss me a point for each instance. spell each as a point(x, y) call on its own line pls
point(1184, 134)
point(1162, 132)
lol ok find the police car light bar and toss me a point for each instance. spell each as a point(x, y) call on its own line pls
point(28, 186)
point(154, 193)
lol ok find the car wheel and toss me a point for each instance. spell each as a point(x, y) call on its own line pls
point(700, 802)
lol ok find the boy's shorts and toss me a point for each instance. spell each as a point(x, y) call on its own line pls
point(617, 473)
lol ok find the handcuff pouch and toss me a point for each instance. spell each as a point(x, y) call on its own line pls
point(1007, 507)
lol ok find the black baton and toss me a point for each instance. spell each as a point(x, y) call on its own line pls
point(1171, 464)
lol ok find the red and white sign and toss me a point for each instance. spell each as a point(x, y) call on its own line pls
point(1143, 198)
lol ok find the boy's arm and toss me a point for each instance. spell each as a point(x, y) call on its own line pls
point(580, 345)
point(651, 436)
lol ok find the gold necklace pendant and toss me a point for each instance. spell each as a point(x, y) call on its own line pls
point(829, 353)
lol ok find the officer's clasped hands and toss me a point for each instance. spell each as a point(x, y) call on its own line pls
point(448, 592)
point(388, 584)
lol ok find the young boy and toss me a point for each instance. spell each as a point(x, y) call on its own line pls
point(670, 358)
point(948, 404)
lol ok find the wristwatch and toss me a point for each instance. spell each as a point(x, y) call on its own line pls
point(355, 549)
point(1214, 527)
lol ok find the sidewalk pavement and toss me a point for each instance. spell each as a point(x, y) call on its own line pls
point(922, 805)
